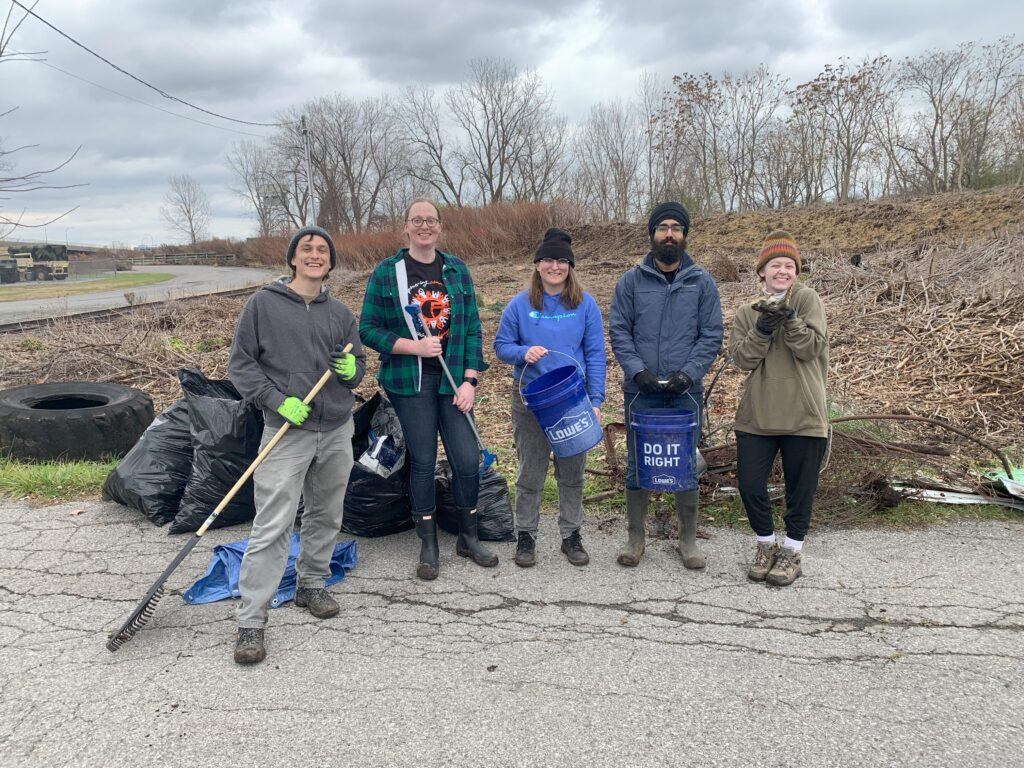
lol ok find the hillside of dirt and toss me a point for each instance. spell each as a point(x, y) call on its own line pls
point(924, 299)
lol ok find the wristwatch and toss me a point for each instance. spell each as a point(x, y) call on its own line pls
point(471, 380)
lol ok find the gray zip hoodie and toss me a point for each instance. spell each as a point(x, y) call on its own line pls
point(281, 348)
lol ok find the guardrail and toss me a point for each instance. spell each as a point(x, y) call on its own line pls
point(157, 259)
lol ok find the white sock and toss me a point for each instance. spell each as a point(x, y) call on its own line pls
point(766, 539)
point(792, 544)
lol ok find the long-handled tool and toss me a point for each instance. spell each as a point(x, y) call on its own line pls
point(486, 457)
point(144, 610)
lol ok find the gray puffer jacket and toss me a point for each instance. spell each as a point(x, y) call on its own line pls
point(665, 327)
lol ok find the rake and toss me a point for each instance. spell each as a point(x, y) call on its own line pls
point(486, 457)
point(144, 610)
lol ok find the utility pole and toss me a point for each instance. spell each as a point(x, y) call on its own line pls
point(311, 208)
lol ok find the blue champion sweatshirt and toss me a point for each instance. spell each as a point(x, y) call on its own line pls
point(576, 332)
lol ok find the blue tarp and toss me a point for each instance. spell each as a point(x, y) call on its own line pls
point(221, 579)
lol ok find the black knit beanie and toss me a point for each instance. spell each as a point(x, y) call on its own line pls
point(557, 244)
point(668, 211)
point(304, 232)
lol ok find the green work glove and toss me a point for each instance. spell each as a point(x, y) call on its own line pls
point(294, 410)
point(343, 364)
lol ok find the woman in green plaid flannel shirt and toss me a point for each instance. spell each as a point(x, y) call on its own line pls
point(441, 286)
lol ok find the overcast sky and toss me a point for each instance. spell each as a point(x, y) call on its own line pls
point(250, 59)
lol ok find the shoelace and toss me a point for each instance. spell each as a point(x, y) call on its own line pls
point(575, 541)
point(783, 560)
point(763, 555)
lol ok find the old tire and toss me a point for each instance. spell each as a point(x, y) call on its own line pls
point(72, 420)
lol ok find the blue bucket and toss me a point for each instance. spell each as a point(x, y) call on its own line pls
point(666, 449)
point(559, 402)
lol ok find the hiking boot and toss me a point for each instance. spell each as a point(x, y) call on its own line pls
point(572, 546)
point(430, 559)
point(636, 511)
point(786, 568)
point(468, 543)
point(764, 559)
point(525, 550)
point(249, 648)
point(686, 513)
point(318, 600)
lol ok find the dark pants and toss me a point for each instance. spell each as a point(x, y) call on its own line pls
point(801, 459)
point(421, 417)
point(688, 401)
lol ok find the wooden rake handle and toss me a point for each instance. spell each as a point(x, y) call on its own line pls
point(266, 451)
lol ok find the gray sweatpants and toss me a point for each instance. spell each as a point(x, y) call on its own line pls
point(534, 452)
point(317, 465)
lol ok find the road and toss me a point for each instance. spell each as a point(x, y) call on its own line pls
point(187, 281)
point(896, 648)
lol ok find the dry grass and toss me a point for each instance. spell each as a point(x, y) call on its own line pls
point(933, 327)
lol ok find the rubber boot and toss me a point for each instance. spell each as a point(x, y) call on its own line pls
point(636, 511)
point(468, 544)
point(686, 511)
point(430, 561)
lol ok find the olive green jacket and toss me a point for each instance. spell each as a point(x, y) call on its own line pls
point(785, 391)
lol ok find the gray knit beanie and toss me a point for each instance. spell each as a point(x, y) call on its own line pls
point(304, 232)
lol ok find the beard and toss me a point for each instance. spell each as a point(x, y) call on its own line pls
point(669, 253)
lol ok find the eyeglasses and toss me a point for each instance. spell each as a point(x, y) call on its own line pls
point(559, 262)
point(419, 221)
point(664, 229)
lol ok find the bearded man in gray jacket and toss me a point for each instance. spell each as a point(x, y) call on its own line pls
point(666, 330)
point(288, 334)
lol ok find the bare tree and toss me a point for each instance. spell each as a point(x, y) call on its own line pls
point(609, 148)
point(12, 181)
point(186, 208)
point(496, 107)
point(542, 162)
point(254, 168)
point(432, 161)
point(848, 100)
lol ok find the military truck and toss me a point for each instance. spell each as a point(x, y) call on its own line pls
point(41, 262)
point(8, 271)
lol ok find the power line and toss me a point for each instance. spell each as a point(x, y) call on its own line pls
point(146, 104)
point(138, 79)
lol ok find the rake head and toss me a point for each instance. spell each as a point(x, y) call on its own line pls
point(142, 614)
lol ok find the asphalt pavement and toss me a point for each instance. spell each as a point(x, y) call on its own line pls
point(895, 648)
point(187, 281)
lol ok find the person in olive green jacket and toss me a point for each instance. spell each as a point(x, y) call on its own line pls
point(782, 340)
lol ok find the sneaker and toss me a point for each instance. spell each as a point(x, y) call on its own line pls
point(786, 568)
point(249, 648)
point(764, 559)
point(525, 550)
point(572, 545)
point(318, 600)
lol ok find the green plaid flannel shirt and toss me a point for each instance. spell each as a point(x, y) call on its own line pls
point(382, 323)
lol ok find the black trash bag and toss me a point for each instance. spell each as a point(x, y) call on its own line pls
point(225, 433)
point(151, 478)
point(374, 506)
point(494, 513)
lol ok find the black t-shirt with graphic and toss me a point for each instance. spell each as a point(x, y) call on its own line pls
point(427, 289)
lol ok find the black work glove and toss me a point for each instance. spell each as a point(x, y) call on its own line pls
point(648, 382)
point(679, 383)
point(772, 317)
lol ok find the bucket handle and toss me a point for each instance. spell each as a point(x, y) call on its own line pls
point(519, 383)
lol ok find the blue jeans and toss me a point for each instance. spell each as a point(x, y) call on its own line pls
point(688, 401)
point(422, 416)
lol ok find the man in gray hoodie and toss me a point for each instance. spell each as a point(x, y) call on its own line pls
point(289, 333)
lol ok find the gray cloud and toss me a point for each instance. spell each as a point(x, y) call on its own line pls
point(253, 59)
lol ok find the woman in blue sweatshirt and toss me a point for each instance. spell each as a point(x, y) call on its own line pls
point(540, 330)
